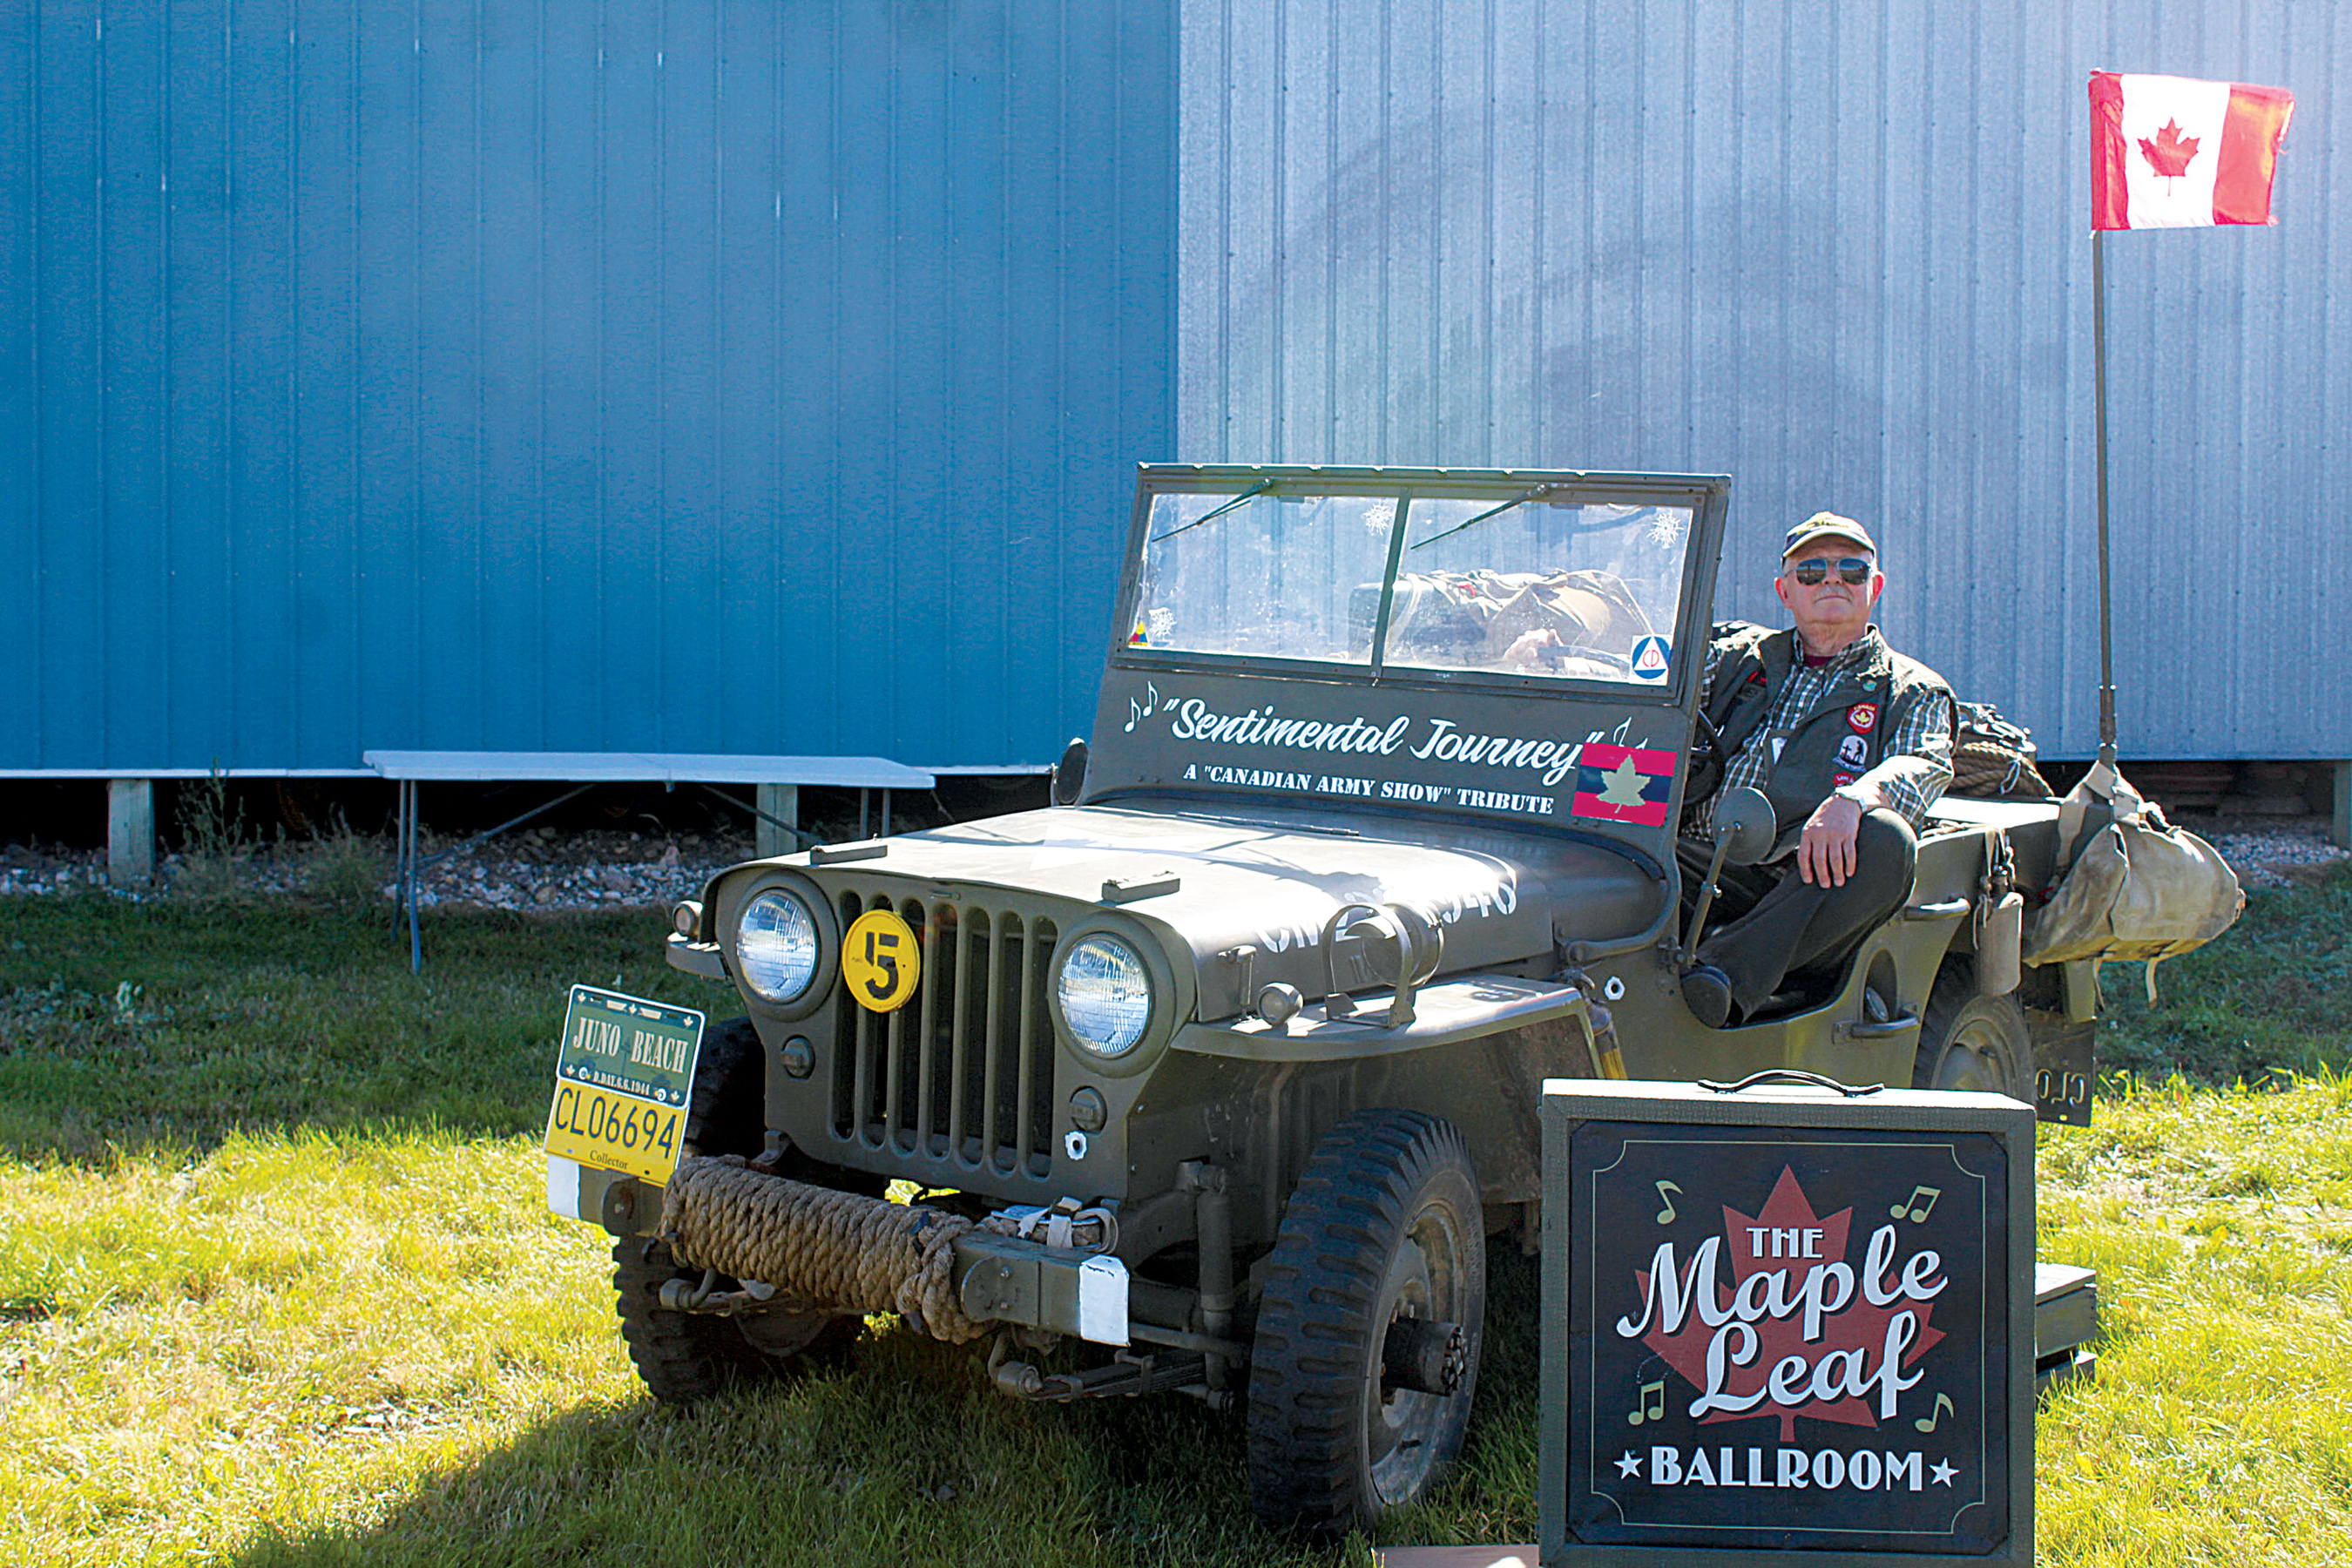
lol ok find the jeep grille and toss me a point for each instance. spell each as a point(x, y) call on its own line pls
point(962, 1073)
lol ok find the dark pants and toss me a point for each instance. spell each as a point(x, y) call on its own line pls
point(1783, 925)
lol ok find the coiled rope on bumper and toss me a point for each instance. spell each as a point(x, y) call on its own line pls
point(838, 1250)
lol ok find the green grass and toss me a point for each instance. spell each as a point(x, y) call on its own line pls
point(138, 1026)
point(278, 1287)
point(2273, 995)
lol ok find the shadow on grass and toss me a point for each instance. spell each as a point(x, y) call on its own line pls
point(275, 1014)
point(898, 1452)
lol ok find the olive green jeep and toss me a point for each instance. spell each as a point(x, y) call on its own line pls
point(1220, 1074)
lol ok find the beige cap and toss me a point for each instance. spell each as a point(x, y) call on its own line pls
point(1826, 525)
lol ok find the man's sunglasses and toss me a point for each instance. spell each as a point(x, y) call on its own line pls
point(1853, 570)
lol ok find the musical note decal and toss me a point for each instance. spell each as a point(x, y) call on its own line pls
point(1913, 1208)
point(1143, 709)
point(1943, 1408)
point(1650, 1405)
point(1666, 1214)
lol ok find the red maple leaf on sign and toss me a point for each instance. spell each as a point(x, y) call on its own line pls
point(1857, 1327)
point(2170, 153)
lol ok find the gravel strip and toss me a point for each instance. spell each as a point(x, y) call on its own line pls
point(541, 870)
point(526, 871)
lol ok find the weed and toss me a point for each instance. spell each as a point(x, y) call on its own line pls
point(216, 841)
point(345, 868)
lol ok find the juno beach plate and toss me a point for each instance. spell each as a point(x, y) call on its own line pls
point(623, 1073)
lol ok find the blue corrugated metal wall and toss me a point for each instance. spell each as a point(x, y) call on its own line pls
point(732, 375)
point(1841, 253)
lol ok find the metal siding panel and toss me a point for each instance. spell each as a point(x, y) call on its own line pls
point(71, 476)
point(632, 308)
point(22, 674)
point(688, 448)
point(1840, 255)
point(1411, 304)
point(1512, 126)
point(330, 319)
point(372, 604)
point(195, 630)
point(256, 718)
point(449, 478)
point(971, 528)
point(131, 418)
point(866, 375)
point(501, 373)
point(1257, 286)
point(1045, 528)
point(1667, 150)
point(508, 344)
point(915, 581)
point(1091, 379)
point(747, 546)
point(573, 693)
point(810, 418)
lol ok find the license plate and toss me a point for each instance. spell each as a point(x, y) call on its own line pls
point(623, 1073)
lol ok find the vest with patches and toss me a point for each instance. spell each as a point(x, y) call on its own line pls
point(1830, 746)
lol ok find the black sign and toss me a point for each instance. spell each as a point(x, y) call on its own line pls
point(1787, 1337)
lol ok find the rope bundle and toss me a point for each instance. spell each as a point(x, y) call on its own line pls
point(1992, 757)
point(830, 1249)
point(1994, 772)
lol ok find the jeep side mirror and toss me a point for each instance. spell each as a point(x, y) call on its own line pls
point(1744, 827)
point(1070, 774)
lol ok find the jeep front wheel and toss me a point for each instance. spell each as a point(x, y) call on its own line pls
point(1366, 1355)
point(683, 1357)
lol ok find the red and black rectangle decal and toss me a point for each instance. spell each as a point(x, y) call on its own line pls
point(1624, 783)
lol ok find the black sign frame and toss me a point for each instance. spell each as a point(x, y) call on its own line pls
point(1670, 1310)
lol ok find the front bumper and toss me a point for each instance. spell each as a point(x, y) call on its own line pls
point(997, 1279)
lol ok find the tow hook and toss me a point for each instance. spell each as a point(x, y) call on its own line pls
point(1423, 1354)
point(678, 1296)
point(703, 1296)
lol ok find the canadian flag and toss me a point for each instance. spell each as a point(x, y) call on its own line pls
point(2169, 151)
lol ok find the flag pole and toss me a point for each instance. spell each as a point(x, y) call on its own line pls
point(2099, 381)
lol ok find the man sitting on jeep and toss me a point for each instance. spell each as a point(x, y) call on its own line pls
point(1851, 742)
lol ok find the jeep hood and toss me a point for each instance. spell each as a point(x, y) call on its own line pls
point(1213, 880)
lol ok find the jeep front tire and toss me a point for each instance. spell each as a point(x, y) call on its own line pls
point(1385, 1226)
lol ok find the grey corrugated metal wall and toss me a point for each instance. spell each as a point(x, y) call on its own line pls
point(1840, 252)
point(732, 375)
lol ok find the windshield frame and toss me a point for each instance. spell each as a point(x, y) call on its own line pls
point(1706, 498)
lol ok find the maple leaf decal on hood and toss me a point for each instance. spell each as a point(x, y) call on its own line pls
point(2170, 153)
point(1803, 1331)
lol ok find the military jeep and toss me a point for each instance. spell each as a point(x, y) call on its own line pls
point(1219, 1074)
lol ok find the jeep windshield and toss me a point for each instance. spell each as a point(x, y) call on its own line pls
point(1505, 645)
point(1542, 581)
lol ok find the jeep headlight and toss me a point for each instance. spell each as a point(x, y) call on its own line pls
point(1104, 993)
point(776, 946)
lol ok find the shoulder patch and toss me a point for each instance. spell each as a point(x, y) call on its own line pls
point(1863, 717)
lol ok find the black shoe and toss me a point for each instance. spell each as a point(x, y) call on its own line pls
point(1707, 991)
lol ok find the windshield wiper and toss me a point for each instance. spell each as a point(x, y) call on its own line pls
point(1490, 511)
point(1258, 488)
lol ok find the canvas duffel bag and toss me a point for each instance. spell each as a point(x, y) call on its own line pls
point(2139, 889)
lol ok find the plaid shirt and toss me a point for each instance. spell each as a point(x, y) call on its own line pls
point(1914, 770)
